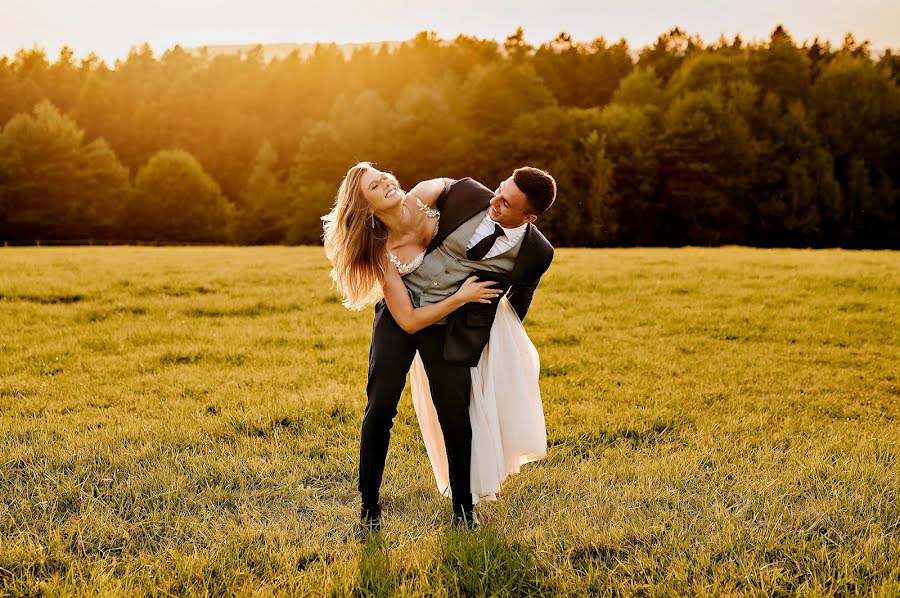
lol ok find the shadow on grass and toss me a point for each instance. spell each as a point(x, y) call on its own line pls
point(248, 311)
point(481, 563)
point(48, 299)
point(588, 445)
point(374, 577)
point(23, 569)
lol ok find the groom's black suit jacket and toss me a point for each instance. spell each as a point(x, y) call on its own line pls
point(469, 327)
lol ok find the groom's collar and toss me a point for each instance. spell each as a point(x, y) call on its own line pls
point(513, 234)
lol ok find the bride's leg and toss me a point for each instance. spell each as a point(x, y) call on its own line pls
point(390, 355)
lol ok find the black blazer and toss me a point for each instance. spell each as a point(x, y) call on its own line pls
point(469, 327)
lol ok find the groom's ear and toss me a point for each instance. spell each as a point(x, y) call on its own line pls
point(531, 218)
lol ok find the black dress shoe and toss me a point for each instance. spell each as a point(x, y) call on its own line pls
point(370, 518)
point(465, 520)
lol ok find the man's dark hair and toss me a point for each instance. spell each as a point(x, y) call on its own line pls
point(537, 185)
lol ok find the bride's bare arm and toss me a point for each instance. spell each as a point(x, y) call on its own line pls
point(412, 319)
point(429, 191)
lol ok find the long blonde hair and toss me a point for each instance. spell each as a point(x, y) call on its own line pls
point(355, 243)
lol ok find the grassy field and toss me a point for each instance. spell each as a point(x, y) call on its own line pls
point(186, 421)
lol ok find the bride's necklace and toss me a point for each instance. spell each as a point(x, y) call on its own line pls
point(408, 212)
point(429, 213)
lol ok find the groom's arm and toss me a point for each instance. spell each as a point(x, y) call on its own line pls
point(521, 293)
point(520, 296)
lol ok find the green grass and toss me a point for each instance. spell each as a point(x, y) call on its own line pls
point(185, 421)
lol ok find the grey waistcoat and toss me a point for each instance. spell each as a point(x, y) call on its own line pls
point(443, 270)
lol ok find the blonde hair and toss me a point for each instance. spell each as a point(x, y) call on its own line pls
point(355, 243)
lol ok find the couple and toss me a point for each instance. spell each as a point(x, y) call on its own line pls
point(457, 266)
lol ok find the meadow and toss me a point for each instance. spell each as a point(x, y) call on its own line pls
point(185, 421)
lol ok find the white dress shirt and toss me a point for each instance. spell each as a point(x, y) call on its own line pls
point(503, 243)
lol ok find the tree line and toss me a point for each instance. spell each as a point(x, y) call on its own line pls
point(769, 143)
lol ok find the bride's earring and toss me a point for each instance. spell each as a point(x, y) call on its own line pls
point(372, 218)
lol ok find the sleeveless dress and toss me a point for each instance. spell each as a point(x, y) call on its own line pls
point(505, 408)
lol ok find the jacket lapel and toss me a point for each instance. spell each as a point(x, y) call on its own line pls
point(465, 199)
point(523, 258)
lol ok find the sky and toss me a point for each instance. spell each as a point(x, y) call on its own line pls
point(111, 27)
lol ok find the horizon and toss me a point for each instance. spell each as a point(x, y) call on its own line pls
point(112, 29)
point(307, 46)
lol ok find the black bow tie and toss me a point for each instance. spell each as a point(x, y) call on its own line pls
point(481, 248)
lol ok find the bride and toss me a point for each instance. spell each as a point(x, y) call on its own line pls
point(375, 236)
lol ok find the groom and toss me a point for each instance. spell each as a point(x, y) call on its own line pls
point(488, 234)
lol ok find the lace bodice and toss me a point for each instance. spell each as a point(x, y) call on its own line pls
point(405, 269)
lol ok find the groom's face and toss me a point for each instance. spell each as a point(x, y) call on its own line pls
point(509, 206)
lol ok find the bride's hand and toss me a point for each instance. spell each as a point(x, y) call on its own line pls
point(473, 291)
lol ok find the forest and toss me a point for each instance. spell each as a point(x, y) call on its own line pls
point(773, 143)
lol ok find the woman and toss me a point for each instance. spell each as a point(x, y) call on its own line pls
point(376, 234)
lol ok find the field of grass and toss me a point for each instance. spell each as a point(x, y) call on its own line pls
point(185, 421)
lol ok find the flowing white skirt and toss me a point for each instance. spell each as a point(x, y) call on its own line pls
point(505, 409)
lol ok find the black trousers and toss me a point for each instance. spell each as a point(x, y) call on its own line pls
point(390, 357)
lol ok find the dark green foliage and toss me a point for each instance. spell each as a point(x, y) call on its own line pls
point(770, 143)
point(54, 185)
point(264, 201)
point(176, 200)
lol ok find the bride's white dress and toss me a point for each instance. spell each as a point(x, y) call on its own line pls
point(505, 409)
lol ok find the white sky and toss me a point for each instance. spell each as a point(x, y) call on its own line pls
point(111, 27)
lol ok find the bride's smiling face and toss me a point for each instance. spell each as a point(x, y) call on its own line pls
point(381, 189)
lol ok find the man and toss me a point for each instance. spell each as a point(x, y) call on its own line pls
point(488, 234)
